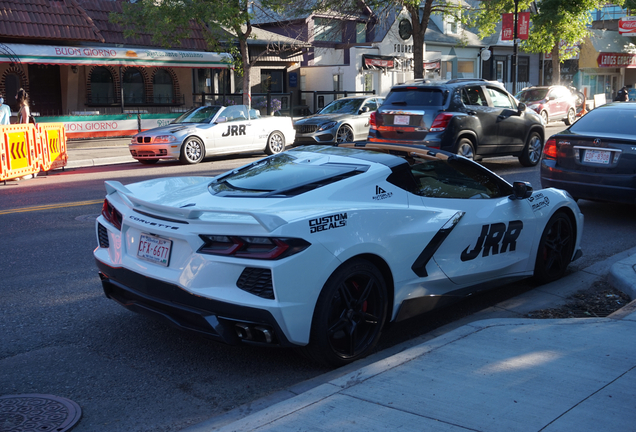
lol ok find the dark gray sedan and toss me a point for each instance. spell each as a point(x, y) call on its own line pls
point(595, 158)
point(343, 120)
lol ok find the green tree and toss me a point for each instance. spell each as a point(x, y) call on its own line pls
point(556, 25)
point(170, 21)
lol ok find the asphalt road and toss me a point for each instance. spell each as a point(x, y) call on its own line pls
point(59, 335)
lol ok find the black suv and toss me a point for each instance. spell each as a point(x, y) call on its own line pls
point(471, 117)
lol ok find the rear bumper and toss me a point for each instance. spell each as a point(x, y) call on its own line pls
point(220, 321)
point(589, 185)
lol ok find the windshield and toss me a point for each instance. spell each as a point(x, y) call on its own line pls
point(608, 120)
point(342, 106)
point(198, 115)
point(413, 96)
point(283, 174)
point(532, 95)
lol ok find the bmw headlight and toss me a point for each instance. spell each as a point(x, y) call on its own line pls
point(165, 139)
point(328, 125)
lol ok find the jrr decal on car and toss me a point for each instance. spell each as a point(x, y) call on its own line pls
point(327, 222)
point(234, 130)
point(491, 236)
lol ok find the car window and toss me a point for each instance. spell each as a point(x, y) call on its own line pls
point(532, 95)
point(342, 106)
point(499, 98)
point(606, 121)
point(474, 96)
point(371, 104)
point(456, 178)
point(235, 113)
point(198, 115)
point(414, 96)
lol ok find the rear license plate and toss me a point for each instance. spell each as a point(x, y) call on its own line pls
point(154, 249)
point(401, 120)
point(597, 156)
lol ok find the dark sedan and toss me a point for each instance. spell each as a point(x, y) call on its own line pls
point(595, 158)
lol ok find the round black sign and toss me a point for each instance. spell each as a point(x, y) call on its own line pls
point(405, 29)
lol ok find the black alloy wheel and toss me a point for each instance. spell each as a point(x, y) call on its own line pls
point(531, 153)
point(555, 249)
point(350, 314)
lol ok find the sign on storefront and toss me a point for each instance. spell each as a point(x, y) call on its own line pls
point(627, 26)
point(616, 60)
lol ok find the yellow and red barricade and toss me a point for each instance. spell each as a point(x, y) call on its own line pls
point(28, 149)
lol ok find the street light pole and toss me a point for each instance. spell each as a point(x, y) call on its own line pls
point(514, 51)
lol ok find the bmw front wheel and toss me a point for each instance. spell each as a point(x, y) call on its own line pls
point(275, 143)
point(192, 151)
point(531, 153)
point(349, 315)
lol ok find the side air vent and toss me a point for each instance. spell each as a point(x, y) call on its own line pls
point(102, 235)
point(257, 281)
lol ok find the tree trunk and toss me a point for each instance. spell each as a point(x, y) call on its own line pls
point(245, 56)
point(556, 65)
point(419, 30)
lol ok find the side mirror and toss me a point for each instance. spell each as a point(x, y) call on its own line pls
point(364, 110)
point(521, 190)
point(521, 107)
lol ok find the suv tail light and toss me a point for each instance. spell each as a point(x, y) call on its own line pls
point(550, 149)
point(441, 122)
point(267, 248)
point(111, 214)
point(372, 121)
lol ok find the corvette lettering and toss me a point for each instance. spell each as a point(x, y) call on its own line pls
point(327, 222)
point(492, 237)
point(234, 130)
point(154, 224)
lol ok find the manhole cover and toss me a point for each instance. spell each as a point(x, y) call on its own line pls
point(36, 412)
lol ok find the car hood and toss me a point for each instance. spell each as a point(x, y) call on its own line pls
point(318, 119)
point(173, 128)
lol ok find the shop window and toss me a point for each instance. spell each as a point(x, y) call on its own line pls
point(465, 69)
point(327, 30)
point(11, 87)
point(368, 82)
point(162, 87)
point(523, 69)
point(133, 85)
point(273, 80)
point(102, 86)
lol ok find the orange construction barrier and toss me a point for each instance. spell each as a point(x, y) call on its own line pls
point(18, 151)
point(52, 146)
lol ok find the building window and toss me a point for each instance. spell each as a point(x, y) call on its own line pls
point(368, 82)
point(465, 69)
point(102, 86)
point(273, 80)
point(361, 32)
point(500, 70)
point(11, 86)
point(162, 87)
point(523, 69)
point(327, 30)
point(133, 85)
point(336, 83)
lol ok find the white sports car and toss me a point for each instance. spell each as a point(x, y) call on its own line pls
point(320, 247)
point(213, 130)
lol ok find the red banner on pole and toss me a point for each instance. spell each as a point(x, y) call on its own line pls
point(507, 26)
point(523, 25)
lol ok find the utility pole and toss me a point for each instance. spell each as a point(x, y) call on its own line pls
point(514, 50)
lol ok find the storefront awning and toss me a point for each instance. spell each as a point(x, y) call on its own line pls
point(377, 62)
point(100, 55)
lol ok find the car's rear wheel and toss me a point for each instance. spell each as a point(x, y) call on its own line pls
point(349, 315)
point(571, 117)
point(544, 116)
point(555, 249)
point(465, 148)
point(192, 151)
point(344, 134)
point(275, 143)
point(148, 161)
point(531, 154)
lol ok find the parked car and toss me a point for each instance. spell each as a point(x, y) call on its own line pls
point(470, 117)
point(343, 120)
point(320, 246)
point(553, 103)
point(595, 158)
point(213, 130)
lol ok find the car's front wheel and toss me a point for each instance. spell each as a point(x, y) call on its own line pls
point(192, 151)
point(344, 134)
point(544, 116)
point(465, 148)
point(275, 143)
point(349, 315)
point(555, 249)
point(571, 117)
point(531, 154)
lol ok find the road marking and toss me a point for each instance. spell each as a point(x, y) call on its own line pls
point(51, 206)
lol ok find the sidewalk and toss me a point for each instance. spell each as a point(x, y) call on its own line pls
point(495, 371)
point(96, 152)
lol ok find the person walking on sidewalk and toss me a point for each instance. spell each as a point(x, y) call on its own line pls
point(23, 101)
point(5, 113)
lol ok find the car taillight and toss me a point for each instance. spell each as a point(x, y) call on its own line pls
point(111, 214)
point(441, 122)
point(266, 248)
point(550, 149)
point(372, 120)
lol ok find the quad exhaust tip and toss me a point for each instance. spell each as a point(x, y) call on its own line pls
point(254, 333)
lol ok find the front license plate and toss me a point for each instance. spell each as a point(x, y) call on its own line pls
point(154, 249)
point(597, 156)
point(401, 120)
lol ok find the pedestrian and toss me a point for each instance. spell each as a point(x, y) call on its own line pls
point(23, 102)
point(5, 113)
point(622, 95)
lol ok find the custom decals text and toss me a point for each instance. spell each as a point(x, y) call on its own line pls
point(495, 238)
point(381, 194)
point(327, 222)
point(234, 130)
point(539, 201)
